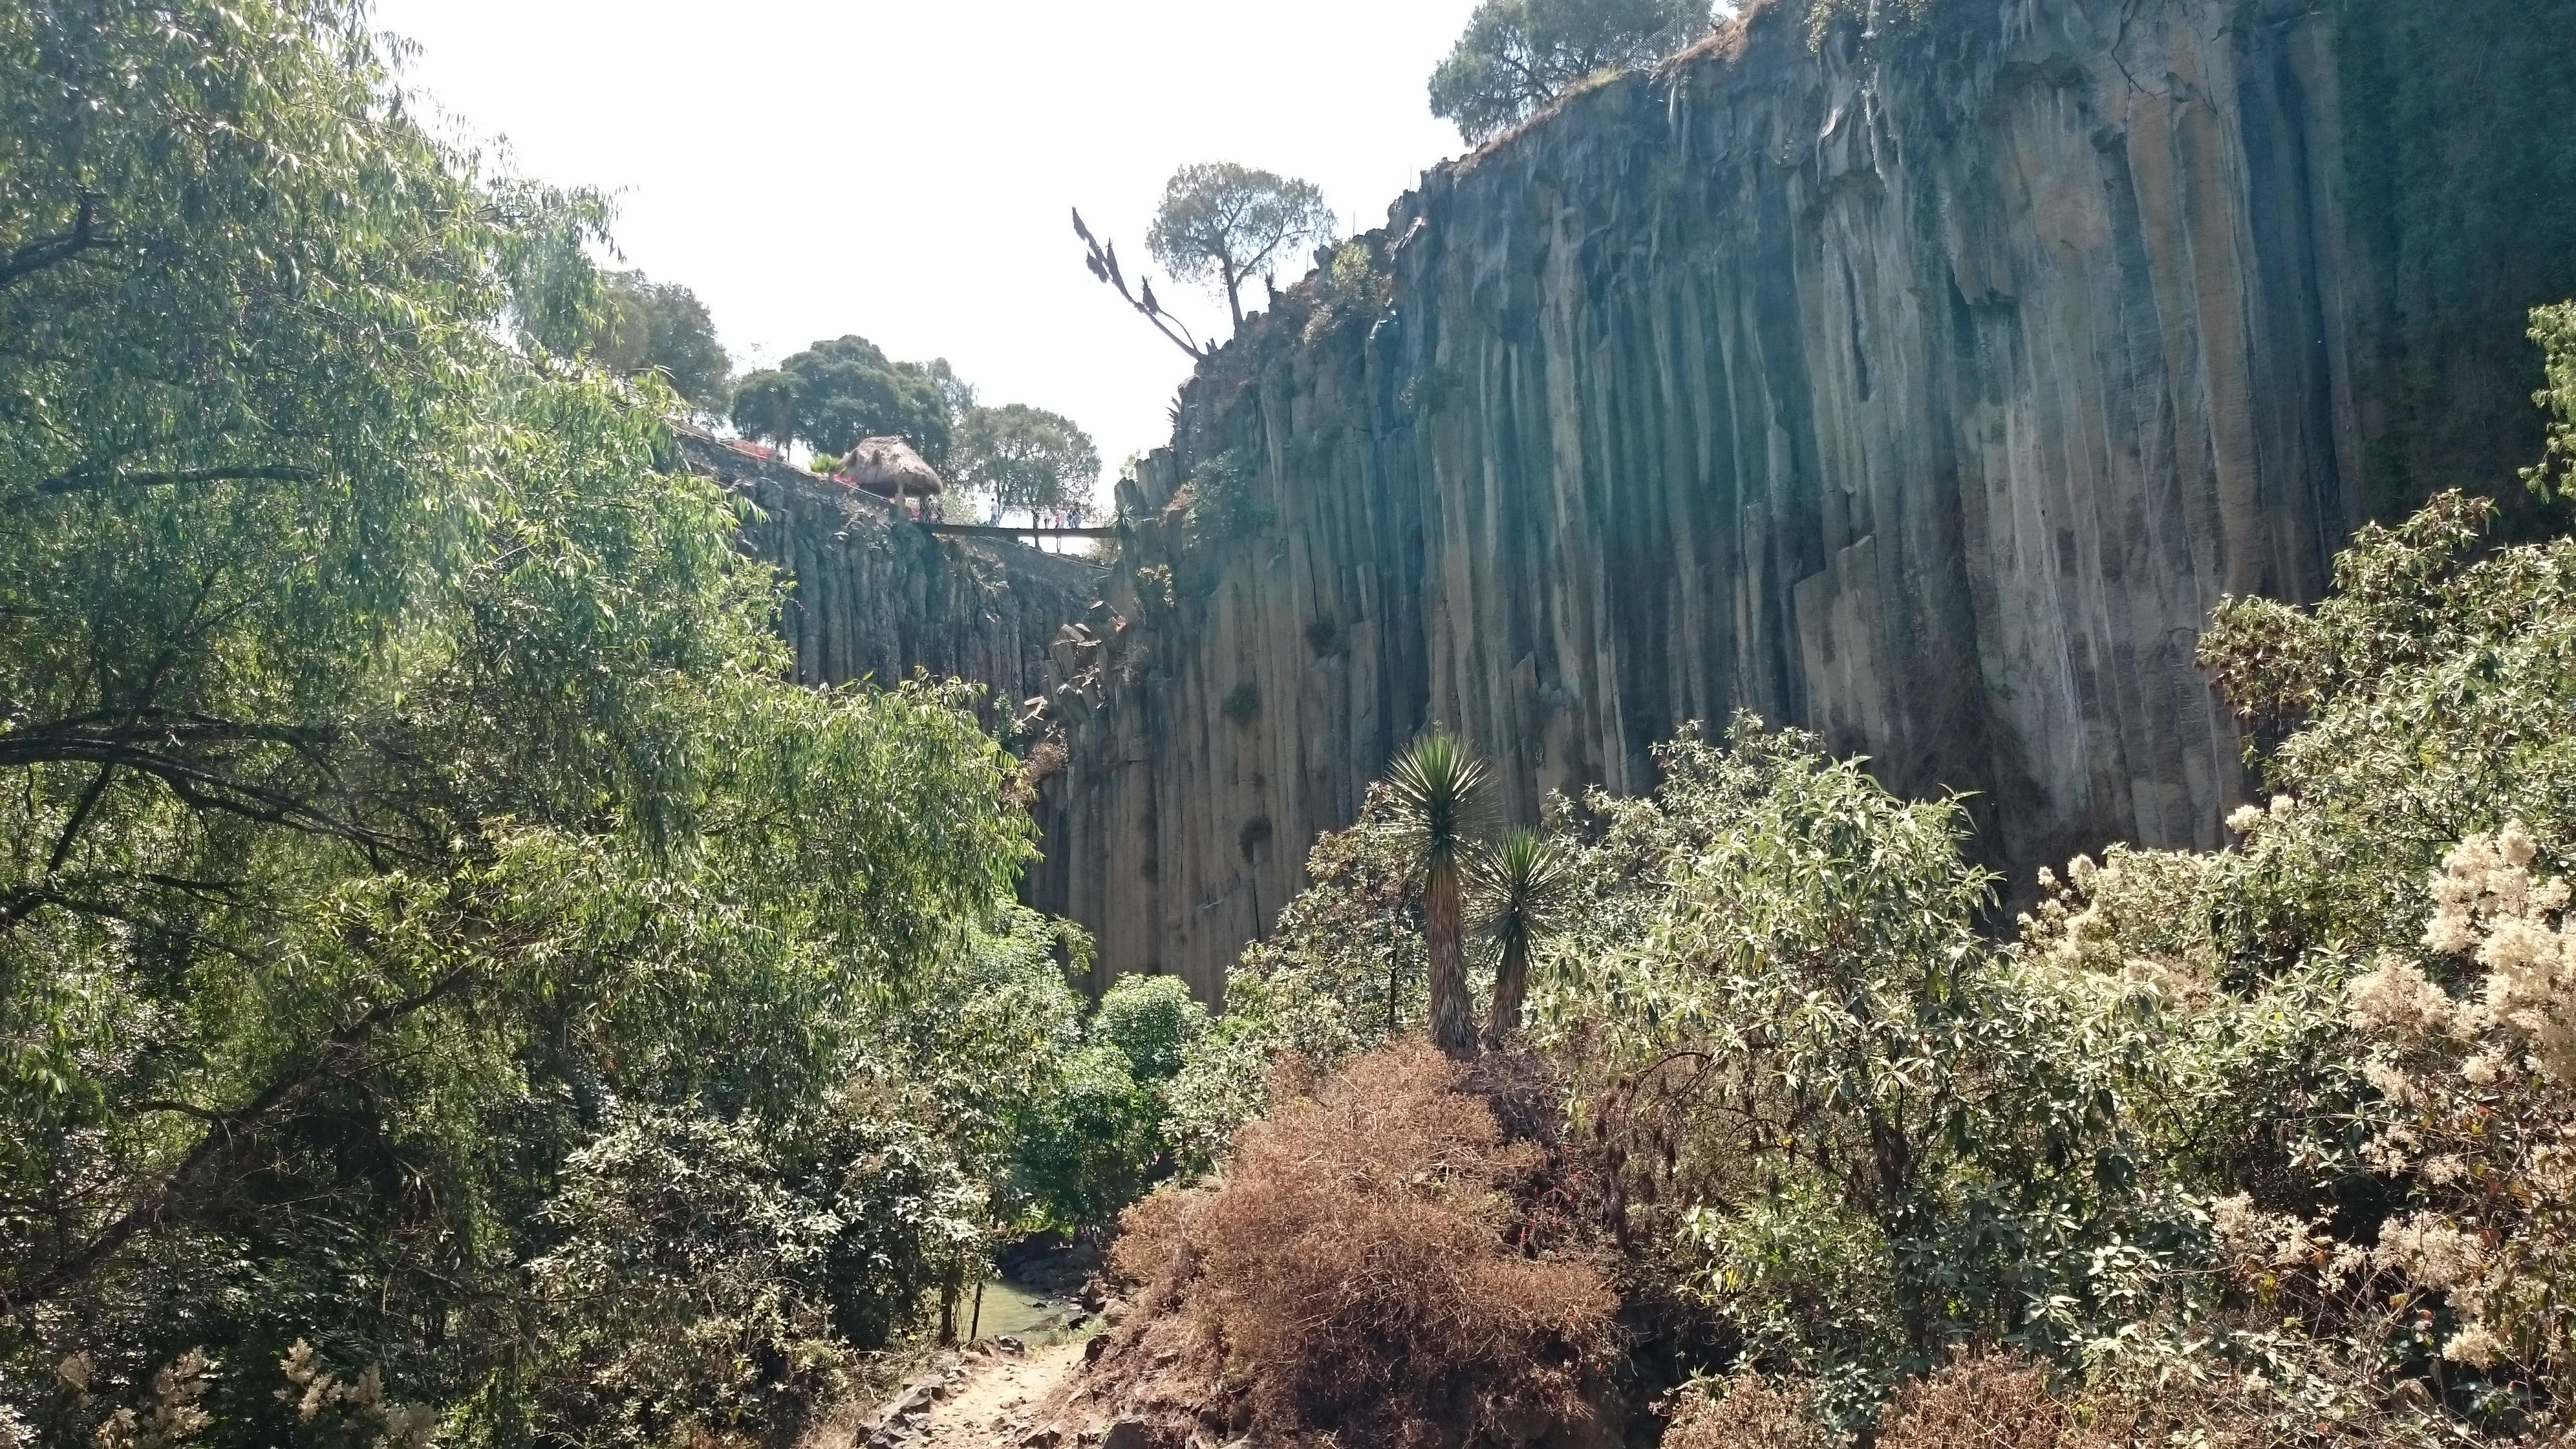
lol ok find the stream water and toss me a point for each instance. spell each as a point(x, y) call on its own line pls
point(1016, 1310)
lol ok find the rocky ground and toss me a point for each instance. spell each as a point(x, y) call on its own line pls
point(1013, 1391)
point(987, 1396)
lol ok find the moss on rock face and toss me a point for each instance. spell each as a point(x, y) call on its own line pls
point(2459, 171)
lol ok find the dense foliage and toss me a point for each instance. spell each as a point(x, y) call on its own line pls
point(836, 392)
point(1517, 55)
point(452, 985)
point(662, 327)
point(1025, 457)
point(2554, 328)
point(2260, 1146)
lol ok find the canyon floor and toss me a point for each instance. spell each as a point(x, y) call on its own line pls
point(1000, 1400)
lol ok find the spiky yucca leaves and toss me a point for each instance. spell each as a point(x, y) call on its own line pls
point(1521, 883)
point(1441, 786)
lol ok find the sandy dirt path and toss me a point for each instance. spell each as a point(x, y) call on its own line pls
point(993, 1403)
point(997, 1403)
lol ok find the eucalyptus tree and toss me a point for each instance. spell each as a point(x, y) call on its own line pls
point(1440, 789)
point(1225, 224)
point(399, 776)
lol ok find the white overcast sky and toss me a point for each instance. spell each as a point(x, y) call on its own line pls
point(903, 169)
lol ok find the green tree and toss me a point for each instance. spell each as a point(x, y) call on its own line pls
point(1224, 224)
point(956, 392)
point(1523, 882)
point(835, 393)
point(1025, 457)
point(662, 327)
point(2554, 328)
point(399, 776)
point(1151, 1020)
point(1517, 55)
point(1440, 789)
point(1097, 1139)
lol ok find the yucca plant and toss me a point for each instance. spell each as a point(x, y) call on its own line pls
point(1441, 787)
point(1521, 883)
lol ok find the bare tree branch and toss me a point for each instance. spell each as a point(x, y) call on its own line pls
point(1104, 265)
point(98, 480)
point(54, 250)
point(155, 1206)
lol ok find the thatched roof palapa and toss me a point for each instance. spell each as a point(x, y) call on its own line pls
point(889, 468)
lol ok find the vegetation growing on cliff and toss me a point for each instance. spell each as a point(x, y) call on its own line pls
point(2255, 1146)
point(453, 986)
point(662, 327)
point(836, 392)
point(1517, 55)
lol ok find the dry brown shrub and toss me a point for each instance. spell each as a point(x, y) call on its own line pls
point(1360, 1264)
point(1996, 1401)
point(1153, 1245)
point(1752, 1413)
point(1993, 1401)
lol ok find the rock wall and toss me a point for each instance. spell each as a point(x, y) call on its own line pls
point(873, 597)
point(1924, 387)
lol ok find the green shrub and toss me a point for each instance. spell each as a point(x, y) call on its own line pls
point(2554, 328)
point(1862, 1134)
point(1343, 969)
point(1092, 1146)
point(1221, 499)
point(1151, 1020)
point(1098, 1136)
point(715, 1275)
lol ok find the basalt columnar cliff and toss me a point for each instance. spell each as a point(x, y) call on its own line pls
point(873, 597)
point(1923, 385)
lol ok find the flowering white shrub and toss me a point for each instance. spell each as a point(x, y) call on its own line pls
point(2481, 1091)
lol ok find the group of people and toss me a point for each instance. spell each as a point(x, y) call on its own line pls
point(1069, 516)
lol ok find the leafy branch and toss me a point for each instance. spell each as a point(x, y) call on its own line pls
point(154, 1207)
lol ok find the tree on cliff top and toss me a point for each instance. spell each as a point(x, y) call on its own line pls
point(650, 326)
point(1518, 55)
point(1224, 224)
point(834, 393)
point(1025, 457)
